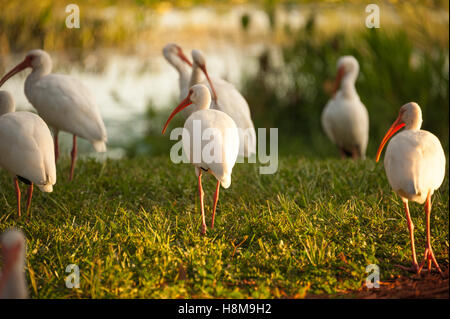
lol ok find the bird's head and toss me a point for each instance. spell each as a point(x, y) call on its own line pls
point(6, 103)
point(197, 57)
point(198, 95)
point(347, 66)
point(409, 116)
point(199, 60)
point(173, 50)
point(35, 59)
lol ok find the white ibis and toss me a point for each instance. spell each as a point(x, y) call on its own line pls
point(63, 102)
point(12, 278)
point(415, 168)
point(225, 142)
point(175, 56)
point(26, 149)
point(226, 98)
point(345, 119)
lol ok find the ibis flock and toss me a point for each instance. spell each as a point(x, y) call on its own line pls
point(414, 161)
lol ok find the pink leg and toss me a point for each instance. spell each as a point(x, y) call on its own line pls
point(429, 255)
point(16, 184)
point(74, 155)
point(30, 195)
point(201, 193)
point(216, 198)
point(415, 265)
point(56, 146)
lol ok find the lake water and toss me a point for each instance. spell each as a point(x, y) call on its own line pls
point(123, 91)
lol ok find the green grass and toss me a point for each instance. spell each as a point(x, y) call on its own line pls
point(132, 226)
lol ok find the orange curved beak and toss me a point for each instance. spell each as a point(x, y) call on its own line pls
point(184, 58)
point(398, 124)
point(19, 67)
point(203, 68)
point(185, 103)
point(337, 82)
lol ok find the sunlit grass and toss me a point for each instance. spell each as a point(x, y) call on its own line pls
point(132, 226)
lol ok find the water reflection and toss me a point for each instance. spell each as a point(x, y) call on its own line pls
point(124, 89)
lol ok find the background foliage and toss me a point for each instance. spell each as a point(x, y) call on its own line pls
point(393, 71)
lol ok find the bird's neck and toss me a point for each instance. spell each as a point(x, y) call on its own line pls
point(182, 69)
point(197, 75)
point(38, 72)
point(32, 78)
point(5, 109)
point(414, 125)
point(203, 104)
point(43, 69)
point(183, 81)
point(348, 85)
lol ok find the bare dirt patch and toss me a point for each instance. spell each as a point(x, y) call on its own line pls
point(424, 286)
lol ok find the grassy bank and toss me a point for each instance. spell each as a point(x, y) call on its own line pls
point(132, 226)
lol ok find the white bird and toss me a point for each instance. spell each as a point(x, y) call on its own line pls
point(12, 278)
point(345, 119)
point(175, 56)
point(211, 142)
point(415, 168)
point(226, 98)
point(63, 102)
point(26, 149)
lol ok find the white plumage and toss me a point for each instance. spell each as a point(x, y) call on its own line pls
point(26, 146)
point(345, 119)
point(174, 55)
point(226, 143)
point(226, 98)
point(415, 167)
point(414, 164)
point(62, 101)
point(212, 143)
point(71, 107)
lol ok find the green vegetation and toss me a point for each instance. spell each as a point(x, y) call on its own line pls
point(394, 70)
point(397, 66)
point(132, 226)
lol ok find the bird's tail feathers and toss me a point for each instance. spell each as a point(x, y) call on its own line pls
point(226, 181)
point(47, 188)
point(100, 146)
